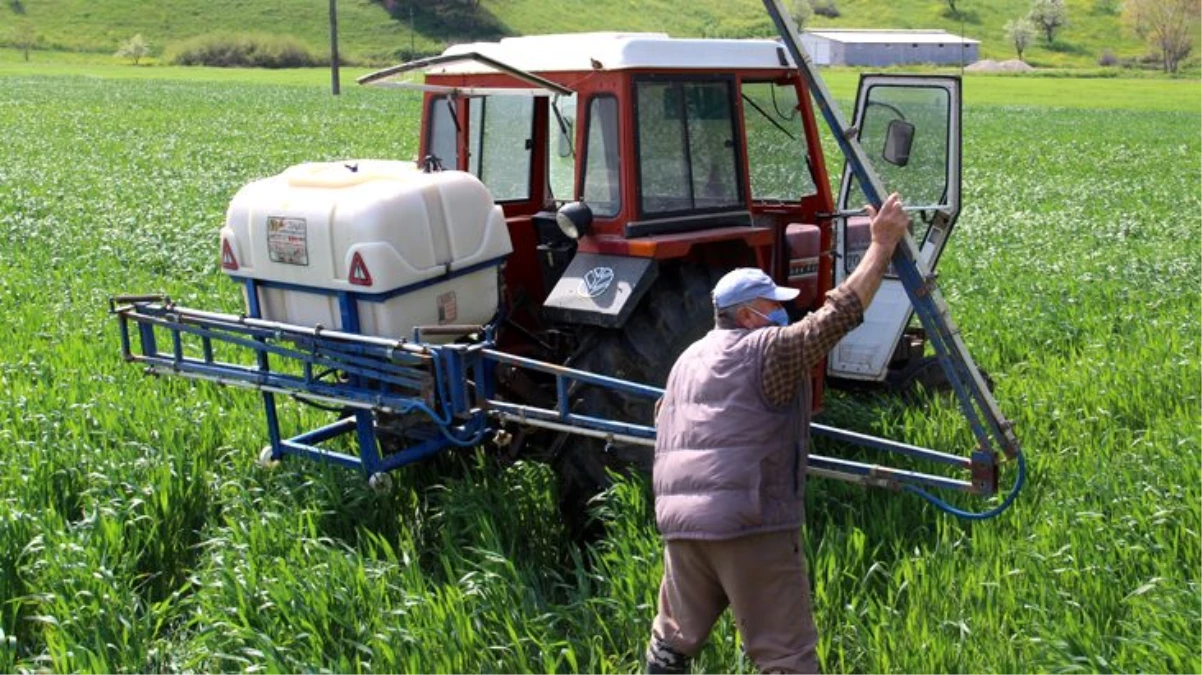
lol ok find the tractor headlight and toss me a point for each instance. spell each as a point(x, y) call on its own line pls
point(574, 219)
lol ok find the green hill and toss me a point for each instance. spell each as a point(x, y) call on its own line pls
point(379, 30)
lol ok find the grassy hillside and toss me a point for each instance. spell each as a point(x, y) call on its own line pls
point(86, 25)
point(1147, 93)
point(374, 30)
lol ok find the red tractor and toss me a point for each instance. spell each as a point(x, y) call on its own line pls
point(635, 169)
point(553, 249)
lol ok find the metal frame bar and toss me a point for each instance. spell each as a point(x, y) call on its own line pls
point(561, 419)
point(365, 359)
point(889, 446)
point(320, 356)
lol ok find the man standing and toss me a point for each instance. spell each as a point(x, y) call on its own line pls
point(730, 453)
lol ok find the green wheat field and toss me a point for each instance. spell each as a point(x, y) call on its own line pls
point(137, 533)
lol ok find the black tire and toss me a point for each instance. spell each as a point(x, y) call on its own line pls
point(676, 312)
point(925, 377)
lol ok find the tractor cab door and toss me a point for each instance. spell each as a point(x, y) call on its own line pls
point(909, 125)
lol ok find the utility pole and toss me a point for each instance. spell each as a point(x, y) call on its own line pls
point(334, 47)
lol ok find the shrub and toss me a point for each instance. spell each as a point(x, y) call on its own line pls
point(826, 8)
point(1108, 58)
point(244, 50)
point(405, 54)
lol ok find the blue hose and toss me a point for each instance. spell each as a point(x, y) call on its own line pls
point(972, 515)
point(472, 441)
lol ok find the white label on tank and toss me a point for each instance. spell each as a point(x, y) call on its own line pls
point(288, 240)
point(448, 308)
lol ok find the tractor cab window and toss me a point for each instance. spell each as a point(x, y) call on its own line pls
point(443, 132)
point(686, 146)
point(923, 114)
point(601, 186)
point(561, 129)
point(777, 155)
point(907, 131)
point(501, 143)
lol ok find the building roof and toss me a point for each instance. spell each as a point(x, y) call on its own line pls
point(622, 51)
point(870, 36)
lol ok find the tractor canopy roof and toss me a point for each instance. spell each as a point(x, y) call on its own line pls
point(621, 51)
point(522, 57)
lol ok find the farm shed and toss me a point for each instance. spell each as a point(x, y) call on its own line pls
point(888, 47)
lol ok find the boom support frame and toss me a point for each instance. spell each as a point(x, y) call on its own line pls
point(451, 388)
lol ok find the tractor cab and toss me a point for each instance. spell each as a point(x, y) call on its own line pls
point(622, 159)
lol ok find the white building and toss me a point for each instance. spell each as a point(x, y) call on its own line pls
point(845, 47)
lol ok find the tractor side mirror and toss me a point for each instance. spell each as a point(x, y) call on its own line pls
point(898, 139)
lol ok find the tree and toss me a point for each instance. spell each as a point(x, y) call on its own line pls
point(803, 11)
point(134, 49)
point(1169, 27)
point(25, 37)
point(1020, 32)
point(1049, 16)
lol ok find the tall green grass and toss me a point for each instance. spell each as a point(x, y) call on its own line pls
point(136, 535)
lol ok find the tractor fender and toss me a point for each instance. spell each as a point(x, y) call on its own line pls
point(600, 290)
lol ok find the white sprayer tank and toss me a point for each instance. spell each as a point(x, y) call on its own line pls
point(417, 249)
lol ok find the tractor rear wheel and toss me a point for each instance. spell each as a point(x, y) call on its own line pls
point(676, 312)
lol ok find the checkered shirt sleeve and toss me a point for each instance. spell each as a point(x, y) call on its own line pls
point(798, 347)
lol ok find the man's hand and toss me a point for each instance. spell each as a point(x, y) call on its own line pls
point(888, 227)
point(889, 224)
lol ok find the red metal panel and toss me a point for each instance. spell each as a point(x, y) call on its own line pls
point(803, 246)
point(667, 246)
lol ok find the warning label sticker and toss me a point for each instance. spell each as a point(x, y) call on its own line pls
point(288, 240)
point(448, 308)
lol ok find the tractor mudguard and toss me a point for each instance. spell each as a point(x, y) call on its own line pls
point(600, 290)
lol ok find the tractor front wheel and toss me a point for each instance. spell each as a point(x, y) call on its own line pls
point(676, 312)
point(925, 377)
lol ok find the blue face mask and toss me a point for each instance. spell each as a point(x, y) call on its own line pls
point(777, 316)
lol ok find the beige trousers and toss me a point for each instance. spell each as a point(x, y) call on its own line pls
point(762, 578)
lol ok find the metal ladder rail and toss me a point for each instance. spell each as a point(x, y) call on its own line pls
point(976, 402)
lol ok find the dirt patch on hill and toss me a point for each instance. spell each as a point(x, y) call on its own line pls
point(991, 66)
